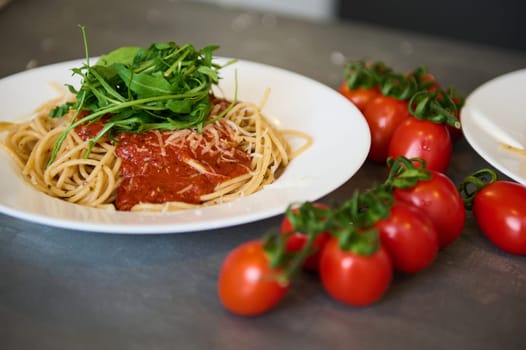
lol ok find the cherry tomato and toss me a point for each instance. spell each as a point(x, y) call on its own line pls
point(296, 241)
point(500, 211)
point(247, 285)
point(384, 114)
point(440, 200)
point(416, 138)
point(410, 238)
point(355, 279)
point(360, 96)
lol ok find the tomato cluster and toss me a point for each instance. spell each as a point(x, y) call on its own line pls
point(408, 115)
point(356, 247)
point(398, 226)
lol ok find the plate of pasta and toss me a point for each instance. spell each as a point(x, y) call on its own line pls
point(269, 137)
point(494, 123)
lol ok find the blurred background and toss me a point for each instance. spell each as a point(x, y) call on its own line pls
point(487, 22)
point(312, 9)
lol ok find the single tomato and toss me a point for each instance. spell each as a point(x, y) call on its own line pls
point(247, 284)
point(409, 237)
point(383, 115)
point(500, 212)
point(440, 200)
point(355, 279)
point(416, 138)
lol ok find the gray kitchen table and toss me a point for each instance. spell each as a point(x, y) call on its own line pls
point(69, 289)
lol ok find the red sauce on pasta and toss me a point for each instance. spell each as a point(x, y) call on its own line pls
point(159, 167)
point(90, 130)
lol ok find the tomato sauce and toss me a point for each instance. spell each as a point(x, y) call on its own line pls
point(155, 171)
point(89, 130)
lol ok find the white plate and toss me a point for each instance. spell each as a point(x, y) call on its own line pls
point(495, 114)
point(341, 143)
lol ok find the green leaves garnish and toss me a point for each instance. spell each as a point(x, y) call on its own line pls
point(164, 87)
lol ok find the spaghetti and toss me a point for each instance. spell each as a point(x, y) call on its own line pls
point(233, 156)
point(516, 150)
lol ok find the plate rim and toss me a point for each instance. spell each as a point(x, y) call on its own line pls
point(468, 113)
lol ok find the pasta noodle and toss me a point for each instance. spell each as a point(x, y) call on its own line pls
point(91, 174)
point(520, 151)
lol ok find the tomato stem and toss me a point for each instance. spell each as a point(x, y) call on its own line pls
point(274, 247)
point(398, 86)
point(360, 74)
point(436, 106)
point(473, 183)
point(306, 218)
point(357, 218)
point(405, 173)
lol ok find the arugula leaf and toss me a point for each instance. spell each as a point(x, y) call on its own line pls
point(123, 55)
point(164, 86)
point(179, 106)
point(61, 110)
point(143, 84)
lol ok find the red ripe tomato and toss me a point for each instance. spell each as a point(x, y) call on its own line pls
point(416, 138)
point(384, 114)
point(355, 279)
point(360, 96)
point(440, 200)
point(410, 238)
point(296, 241)
point(247, 284)
point(500, 211)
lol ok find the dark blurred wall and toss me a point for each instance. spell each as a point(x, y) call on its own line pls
point(500, 23)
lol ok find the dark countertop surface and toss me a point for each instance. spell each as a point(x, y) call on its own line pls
point(66, 289)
